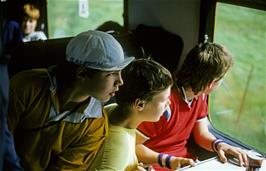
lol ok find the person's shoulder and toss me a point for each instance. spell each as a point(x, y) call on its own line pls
point(30, 72)
point(203, 97)
point(175, 96)
point(12, 23)
point(40, 34)
point(12, 26)
point(33, 76)
point(121, 136)
point(37, 35)
point(110, 107)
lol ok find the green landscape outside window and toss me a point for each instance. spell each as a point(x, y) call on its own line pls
point(70, 17)
point(238, 107)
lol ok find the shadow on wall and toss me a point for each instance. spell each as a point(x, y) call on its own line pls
point(148, 41)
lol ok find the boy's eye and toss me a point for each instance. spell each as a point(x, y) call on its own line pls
point(114, 73)
point(110, 73)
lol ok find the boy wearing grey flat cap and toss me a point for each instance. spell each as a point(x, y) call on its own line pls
point(55, 114)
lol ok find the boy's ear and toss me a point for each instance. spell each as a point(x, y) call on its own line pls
point(140, 104)
point(81, 73)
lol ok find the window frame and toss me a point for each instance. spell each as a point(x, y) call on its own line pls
point(207, 14)
point(207, 24)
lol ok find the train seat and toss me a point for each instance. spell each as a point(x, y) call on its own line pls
point(163, 46)
point(41, 54)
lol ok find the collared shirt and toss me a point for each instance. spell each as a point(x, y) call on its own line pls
point(182, 92)
point(177, 130)
point(118, 151)
point(34, 36)
point(93, 109)
point(70, 144)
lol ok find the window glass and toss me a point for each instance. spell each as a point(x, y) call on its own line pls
point(70, 17)
point(238, 107)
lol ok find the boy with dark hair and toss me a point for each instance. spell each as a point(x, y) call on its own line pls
point(56, 115)
point(143, 97)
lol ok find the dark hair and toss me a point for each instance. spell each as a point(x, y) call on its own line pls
point(66, 73)
point(143, 78)
point(205, 63)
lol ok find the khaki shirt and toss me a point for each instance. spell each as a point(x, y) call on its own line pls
point(62, 146)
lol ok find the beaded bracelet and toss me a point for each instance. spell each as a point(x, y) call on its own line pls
point(215, 144)
point(159, 159)
point(167, 161)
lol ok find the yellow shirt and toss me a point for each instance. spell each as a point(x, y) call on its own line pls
point(63, 146)
point(118, 151)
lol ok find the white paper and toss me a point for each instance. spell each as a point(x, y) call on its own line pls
point(84, 8)
point(214, 165)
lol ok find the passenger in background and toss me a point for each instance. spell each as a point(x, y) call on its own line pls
point(112, 27)
point(9, 160)
point(56, 115)
point(143, 97)
point(24, 31)
point(202, 72)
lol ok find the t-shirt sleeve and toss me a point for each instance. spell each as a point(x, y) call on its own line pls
point(42, 36)
point(147, 129)
point(152, 129)
point(203, 107)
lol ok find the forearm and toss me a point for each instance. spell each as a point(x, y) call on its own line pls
point(146, 155)
point(202, 135)
point(205, 141)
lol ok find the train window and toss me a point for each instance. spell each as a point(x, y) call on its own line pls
point(238, 107)
point(70, 17)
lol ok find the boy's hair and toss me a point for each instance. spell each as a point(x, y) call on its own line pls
point(143, 78)
point(66, 73)
point(205, 63)
point(31, 11)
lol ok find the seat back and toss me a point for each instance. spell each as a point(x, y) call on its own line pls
point(36, 54)
point(41, 54)
point(163, 46)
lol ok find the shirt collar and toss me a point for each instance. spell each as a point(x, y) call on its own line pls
point(93, 109)
point(189, 102)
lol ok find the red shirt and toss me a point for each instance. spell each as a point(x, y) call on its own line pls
point(171, 136)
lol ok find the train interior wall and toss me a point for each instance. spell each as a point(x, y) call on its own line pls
point(180, 17)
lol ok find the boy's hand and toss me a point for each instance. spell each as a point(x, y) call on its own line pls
point(178, 162)
point(240, 154)
point(141, 167)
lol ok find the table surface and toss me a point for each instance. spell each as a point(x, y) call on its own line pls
point(213, 164)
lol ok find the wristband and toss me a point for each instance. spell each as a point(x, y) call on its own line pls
point(215, 144)
point(213, 149)
point(159, 159)
point(167, 161)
